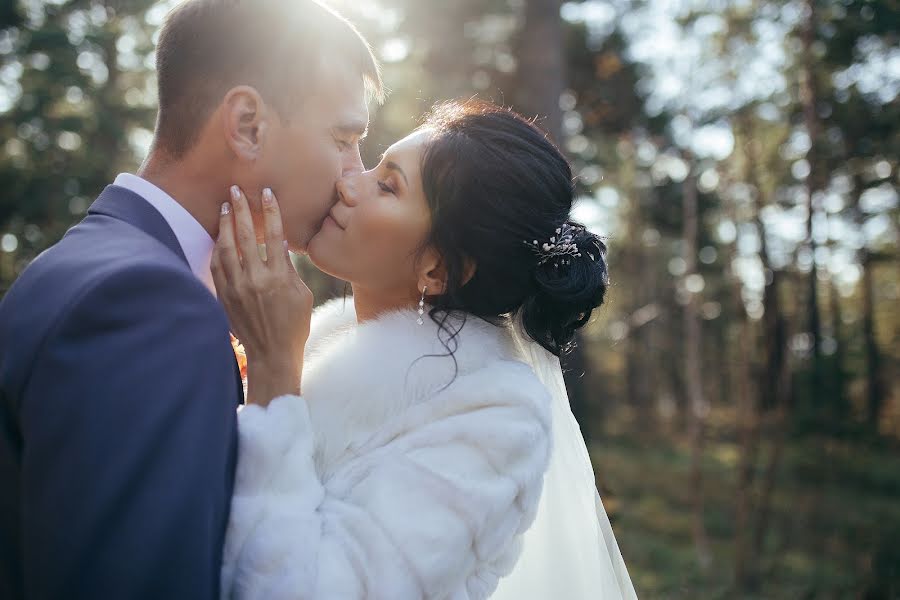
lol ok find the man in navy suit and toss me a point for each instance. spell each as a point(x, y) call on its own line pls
point(118, 383)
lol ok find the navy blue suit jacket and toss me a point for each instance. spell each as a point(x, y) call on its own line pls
point(118, 437)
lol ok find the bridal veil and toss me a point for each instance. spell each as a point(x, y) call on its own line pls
point(570, 551)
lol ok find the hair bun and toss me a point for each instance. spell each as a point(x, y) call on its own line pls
point(568, 289)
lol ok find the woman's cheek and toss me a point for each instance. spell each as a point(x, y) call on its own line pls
point(376, 247)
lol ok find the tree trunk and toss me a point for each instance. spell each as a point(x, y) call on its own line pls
point(771, 394)
point(874, 388)
point(541, 70)
point(697, 404)
point(777, 394)
point(774, 323)
point(769, 479)
point(777, 432)
point(839, 377)
point(634, 257)
point(639, 366)
point(814, 183)
point(540, 80)
point(745, 565)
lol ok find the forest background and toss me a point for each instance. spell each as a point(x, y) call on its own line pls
point(739, 391)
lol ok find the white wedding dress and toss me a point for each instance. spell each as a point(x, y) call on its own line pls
point(396, 476)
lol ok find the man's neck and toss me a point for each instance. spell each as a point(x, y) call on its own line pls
point(190, 186)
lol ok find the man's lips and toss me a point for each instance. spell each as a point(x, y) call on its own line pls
point(329, 218)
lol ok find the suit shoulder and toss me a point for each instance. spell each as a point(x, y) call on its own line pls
point(138, 281)
point(90, 255)
point(93, 249)
point(70, 281)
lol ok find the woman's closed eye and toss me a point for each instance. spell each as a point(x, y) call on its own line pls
point(386, 188)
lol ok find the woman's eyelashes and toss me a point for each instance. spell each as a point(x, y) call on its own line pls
point(386, 188)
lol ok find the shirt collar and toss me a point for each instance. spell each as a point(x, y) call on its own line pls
point(194, 240)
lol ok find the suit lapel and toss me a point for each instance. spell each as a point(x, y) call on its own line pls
point(124, 205)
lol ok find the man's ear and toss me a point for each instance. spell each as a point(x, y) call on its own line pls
point(245, 121)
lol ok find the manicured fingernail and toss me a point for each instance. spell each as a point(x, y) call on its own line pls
point(235, 192)
point(268, 197)
point(226, 208)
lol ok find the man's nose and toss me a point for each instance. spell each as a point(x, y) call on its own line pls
point(353, 164)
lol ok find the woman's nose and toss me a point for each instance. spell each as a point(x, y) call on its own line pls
point(347, 189)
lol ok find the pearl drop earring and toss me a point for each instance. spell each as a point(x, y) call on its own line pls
point(421, 320)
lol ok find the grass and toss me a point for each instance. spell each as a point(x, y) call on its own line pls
point(835, 520)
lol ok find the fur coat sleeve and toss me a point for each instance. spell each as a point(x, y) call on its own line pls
point(432, 506)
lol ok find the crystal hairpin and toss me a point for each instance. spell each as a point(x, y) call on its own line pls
point(559, 249)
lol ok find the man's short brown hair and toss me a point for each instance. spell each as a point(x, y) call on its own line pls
point(207, 47)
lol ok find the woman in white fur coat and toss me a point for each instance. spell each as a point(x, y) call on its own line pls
point(396, 447)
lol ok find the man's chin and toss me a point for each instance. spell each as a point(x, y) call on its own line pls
point(314, 245)
point(300, 243)
point(321, 247)
point(321, 259)
point(299, 249)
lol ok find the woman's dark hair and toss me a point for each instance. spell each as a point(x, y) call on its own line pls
point(495, 185)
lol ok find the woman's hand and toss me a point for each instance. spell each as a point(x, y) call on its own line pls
point(267, 303)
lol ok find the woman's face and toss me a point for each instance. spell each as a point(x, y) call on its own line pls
point(374, 232)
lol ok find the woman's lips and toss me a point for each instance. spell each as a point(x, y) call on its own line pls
point(331, 221)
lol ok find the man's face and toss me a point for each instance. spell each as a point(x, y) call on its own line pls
point(306, 154)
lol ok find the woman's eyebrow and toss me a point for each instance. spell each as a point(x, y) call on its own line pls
point(395, 167)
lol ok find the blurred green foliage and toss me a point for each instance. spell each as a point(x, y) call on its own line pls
point(780, 118)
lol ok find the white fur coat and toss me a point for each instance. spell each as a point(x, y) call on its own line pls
point(389, 478)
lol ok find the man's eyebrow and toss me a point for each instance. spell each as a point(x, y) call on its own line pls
point(395, 167)
point(354, 128)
